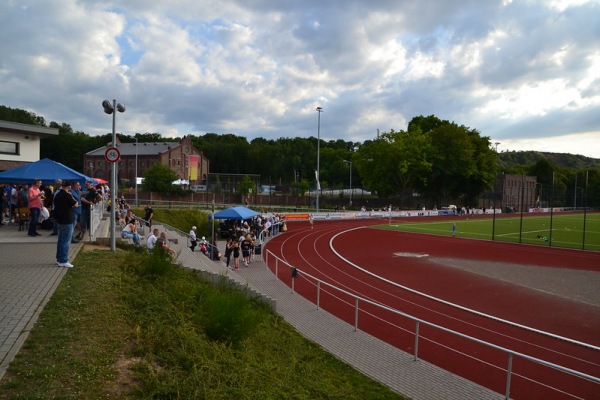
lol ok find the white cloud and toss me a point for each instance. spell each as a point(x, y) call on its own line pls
point(525, 73)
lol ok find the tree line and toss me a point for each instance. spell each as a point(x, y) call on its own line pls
point(438, 160)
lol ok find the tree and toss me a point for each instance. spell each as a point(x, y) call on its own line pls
point(159, 178)
point(374, 163)
point(463, 163)
point(395, 163)
point(245, 185)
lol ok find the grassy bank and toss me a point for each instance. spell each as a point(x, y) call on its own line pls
point(129, 325)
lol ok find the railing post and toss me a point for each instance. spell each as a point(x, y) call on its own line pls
point(356, 315)
point(276, 267)
point(508, 376)
point(318, 294)
point(416, 355)
point(266, 259)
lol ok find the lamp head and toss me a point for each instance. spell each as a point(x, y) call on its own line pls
point(108, 108)
point(121, 107)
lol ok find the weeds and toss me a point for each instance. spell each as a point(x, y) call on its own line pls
point(132, 326)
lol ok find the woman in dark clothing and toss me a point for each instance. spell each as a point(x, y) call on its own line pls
point(228, 249)
point(236, 253)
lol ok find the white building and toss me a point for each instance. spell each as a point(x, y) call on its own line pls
point(20, 143)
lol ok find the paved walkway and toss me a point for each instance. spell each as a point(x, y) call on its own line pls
point(29, 276)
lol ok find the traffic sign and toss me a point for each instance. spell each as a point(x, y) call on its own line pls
point(112, 155)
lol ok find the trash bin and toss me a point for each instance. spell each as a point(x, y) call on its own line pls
point(258, 249)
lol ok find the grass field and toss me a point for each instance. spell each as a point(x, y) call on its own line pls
point(559, 230)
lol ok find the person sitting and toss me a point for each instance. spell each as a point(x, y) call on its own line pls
point(162, 246)
point(203, 245)
point(214, 252)
point(130, 232)
point(151, 242)
point(129, 217)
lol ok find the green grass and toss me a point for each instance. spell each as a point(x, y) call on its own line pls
point(567, 229)
point(128, 325)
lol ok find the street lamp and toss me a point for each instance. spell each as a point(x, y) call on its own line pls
point(110, 109)
point(319, 110)
point(497, 143)
point(350, 162)
point(136, 171)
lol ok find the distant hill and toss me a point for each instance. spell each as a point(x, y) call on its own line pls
point(513, 158)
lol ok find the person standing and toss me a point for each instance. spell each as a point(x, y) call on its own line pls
point(228, 250)
point(34, 201)
point(236, 254)
point(14, 198)
point(2, 203)
point(8, 203)
point(23, 196)
point(87, 201)
point(76, 193)
point(453, 229)
point(148, 216)
point(64, 204)
point(245, 245)
point(193, 239)
point(57, 187)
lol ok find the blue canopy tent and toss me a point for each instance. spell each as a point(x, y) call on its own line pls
point(236, 213)
point(46, 170)
point(233, 213)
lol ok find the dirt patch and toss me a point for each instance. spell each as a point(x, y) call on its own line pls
point(92, 246)
point(125, 379)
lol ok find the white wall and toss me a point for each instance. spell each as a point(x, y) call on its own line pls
point(29, 147)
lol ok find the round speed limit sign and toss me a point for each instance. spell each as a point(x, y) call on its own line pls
point(112, 154)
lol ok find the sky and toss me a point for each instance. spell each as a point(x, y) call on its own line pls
point(525, 73)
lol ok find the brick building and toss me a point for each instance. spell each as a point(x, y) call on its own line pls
point(176, 155)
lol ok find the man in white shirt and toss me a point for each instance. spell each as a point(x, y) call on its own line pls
point(152, 240)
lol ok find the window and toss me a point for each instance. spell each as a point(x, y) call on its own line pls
point(9, 148)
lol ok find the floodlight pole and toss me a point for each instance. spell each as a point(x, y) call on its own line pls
point(113, 184)
point(136, 171)
point(319, 110)
point(112, 109)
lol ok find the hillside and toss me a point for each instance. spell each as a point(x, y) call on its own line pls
point(513, 158)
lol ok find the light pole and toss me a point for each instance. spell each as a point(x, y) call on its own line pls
point(497, 143)
point(112, 109)
point(350, 162)
point(319, 110)
point(136, 171)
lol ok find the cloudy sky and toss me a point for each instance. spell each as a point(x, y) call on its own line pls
point(525, 73)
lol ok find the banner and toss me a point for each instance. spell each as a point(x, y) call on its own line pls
point(317, 179)
point(193, 168)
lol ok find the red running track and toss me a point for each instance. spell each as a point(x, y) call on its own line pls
point(408, 284)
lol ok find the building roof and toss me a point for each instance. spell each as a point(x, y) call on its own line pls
point(27, 129)
point(143, 149)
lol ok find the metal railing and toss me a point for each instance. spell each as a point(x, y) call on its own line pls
point(96, 214)
point(418, 322)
